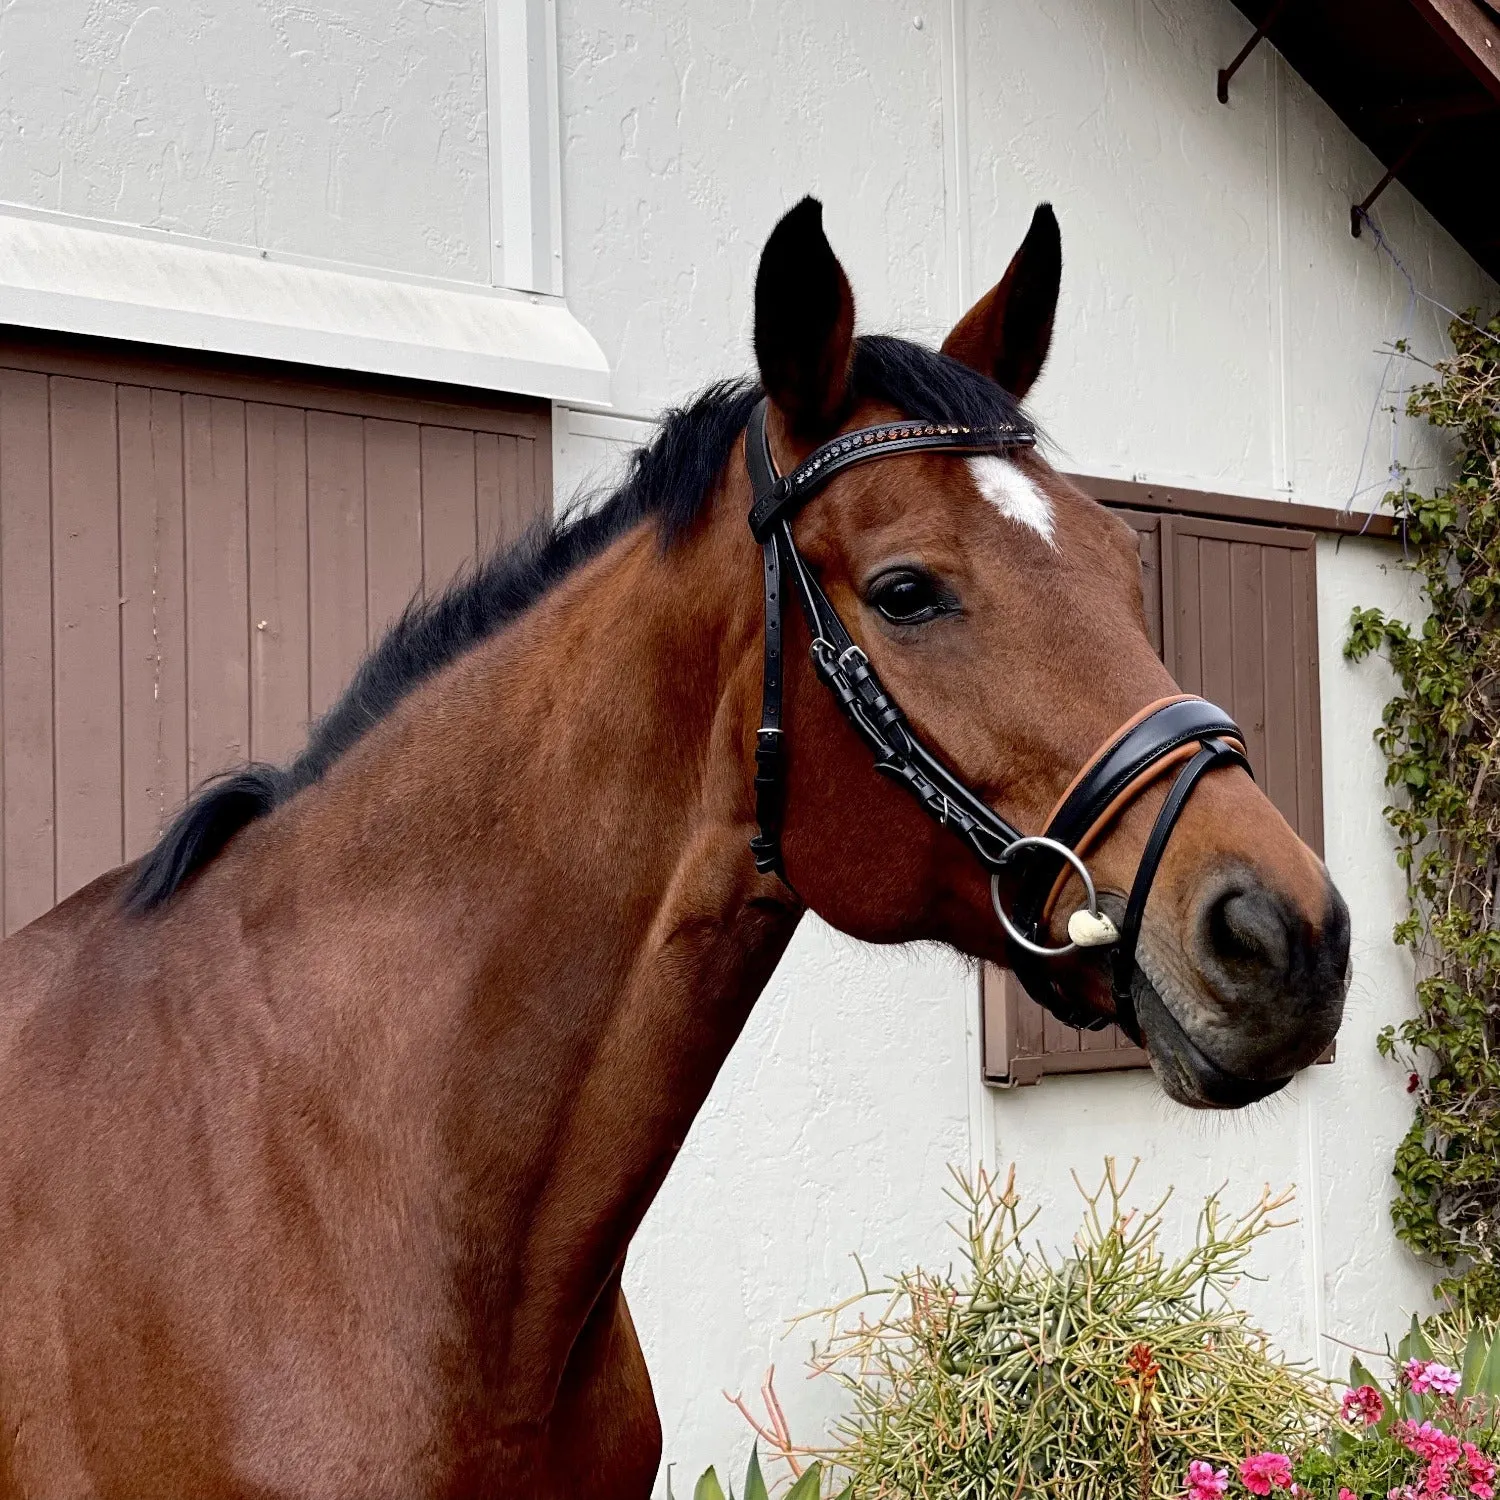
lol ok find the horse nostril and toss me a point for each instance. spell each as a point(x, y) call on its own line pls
point(1273, 976)
point(1247, 931)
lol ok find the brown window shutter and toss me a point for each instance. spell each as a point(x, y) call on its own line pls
point(1232, 609)
point(1240, 605)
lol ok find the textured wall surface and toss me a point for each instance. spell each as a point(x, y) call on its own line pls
point(1219, 328)
point(354, 132)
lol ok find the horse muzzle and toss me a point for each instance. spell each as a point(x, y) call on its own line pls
point(1254, 996)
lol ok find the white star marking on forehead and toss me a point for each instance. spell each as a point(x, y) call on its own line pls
point(1013, 494)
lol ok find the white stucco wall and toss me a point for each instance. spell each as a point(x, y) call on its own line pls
point(1220, 328)
point(354, 132)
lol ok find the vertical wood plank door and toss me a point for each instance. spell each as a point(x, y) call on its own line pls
point(1232, 609)
point(194, 555)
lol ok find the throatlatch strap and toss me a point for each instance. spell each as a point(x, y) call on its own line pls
point(770, 781)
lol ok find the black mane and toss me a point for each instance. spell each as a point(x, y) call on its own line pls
point(668, 481)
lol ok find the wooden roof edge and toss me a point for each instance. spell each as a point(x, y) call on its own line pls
point(1471, 33)
point(1178, 501)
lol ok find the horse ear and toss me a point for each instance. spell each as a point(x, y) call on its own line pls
point(1007, 333)
point(804, 322)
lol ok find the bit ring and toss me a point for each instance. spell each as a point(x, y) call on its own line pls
point(1013, 932)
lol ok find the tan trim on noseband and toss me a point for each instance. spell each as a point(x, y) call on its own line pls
point(1126, 794)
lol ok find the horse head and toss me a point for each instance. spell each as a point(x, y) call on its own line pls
point(999, 612)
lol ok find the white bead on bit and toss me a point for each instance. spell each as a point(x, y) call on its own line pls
point(1092, 929)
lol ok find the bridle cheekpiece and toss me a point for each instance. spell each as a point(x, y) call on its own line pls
point(1183, 730)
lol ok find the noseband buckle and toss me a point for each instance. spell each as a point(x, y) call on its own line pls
point(1182, 729)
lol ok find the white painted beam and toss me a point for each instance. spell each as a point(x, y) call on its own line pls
point(155, 289)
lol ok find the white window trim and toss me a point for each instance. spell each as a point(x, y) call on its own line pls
point(524, 145)
point(77, 276)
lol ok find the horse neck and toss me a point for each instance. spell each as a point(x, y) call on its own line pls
point(551, 840)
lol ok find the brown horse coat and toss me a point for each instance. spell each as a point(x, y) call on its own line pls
point(317, 1176)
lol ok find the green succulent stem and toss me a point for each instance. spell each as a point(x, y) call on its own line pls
point(1095, 1375)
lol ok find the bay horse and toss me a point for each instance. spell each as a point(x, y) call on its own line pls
point(326, 1127)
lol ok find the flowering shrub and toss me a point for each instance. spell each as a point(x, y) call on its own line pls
point(1428, 1439)
point(1440, 735)
point(1117, 1372)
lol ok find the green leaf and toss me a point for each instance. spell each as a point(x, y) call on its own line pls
point(1414, 1345)
point(809, 1486)
point(1489, 1378)
point(708, 1487)
point(755, 1485)
point(1475, 1353)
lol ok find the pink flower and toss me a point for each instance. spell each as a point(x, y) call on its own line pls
point(1363, 1407)
point(1428, 1442)
point(1264, 1471)
point(1345, 1493)
point(1424, 1375)
point(1204, 1482)
point(1479, 1471)
point(1435, 1482)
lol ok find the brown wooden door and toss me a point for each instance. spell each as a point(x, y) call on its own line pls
point(193, 558)
point(1232, 610)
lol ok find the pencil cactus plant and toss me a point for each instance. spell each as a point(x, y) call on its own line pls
point(1098, 1375)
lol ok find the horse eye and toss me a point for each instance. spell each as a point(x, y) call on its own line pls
point(907, 597)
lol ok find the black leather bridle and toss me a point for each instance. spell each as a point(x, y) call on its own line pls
point(1184, 730)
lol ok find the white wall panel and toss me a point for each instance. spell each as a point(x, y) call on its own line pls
point(690, 126)
point(354, 131)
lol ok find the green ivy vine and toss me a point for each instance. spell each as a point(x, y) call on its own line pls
point(1441, 737)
